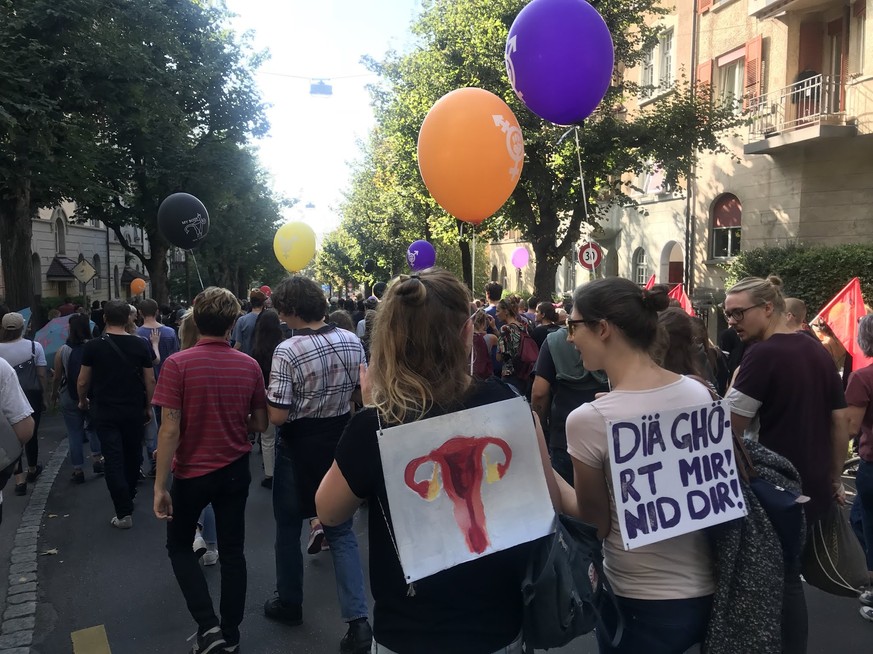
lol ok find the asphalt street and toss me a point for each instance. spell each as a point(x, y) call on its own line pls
point(91, 575)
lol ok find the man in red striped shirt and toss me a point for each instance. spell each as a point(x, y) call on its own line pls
point(211, 396)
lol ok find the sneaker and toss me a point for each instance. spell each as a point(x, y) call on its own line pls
point(290, 614)
point(121, 523)
point(78, 477)
point(267, 482)
point(316, 538)
point(199, 545)
point(866, 597)
point(32, 475)
point(210, 557)
point(210, 641)
point(98, 466)
point(231, 649)
point(358, 639)
point(21, 489)
point(153, 472)
point(867, 613)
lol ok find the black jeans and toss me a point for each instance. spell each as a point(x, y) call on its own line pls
point(227, 489)
point(656, 626)
point(31, 448)
point(121, 439)
point(795, 618)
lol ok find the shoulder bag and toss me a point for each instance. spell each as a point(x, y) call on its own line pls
point(834, 560)
point(26, 371)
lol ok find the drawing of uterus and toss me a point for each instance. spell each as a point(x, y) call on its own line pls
point(458, 466)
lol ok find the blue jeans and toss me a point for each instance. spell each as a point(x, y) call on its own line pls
point(656, 626)
point(77, 425)
point(864, 487)
point(151, 437)
point(289, 554)
point(207, 519)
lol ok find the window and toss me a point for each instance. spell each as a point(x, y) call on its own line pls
point(504, 281)
point(117, 285)
point(731, 80)
point(641, 267)
point(60, 237)
point(647, 75)
point(97, 279)
point(727, 217)
point(859, 18)
point(665, 61)
point(493, 273)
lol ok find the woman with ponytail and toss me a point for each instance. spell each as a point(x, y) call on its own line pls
point(420, 368)
point(664, 589)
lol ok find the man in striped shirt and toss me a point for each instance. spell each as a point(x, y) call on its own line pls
point(211, 396)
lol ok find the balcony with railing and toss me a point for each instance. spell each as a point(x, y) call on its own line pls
point(811, 108)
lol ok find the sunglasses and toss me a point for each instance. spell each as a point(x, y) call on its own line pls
point(571, 324)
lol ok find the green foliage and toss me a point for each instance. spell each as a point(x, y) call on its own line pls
point(812, 273)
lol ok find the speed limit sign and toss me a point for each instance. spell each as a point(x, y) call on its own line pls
point(590, 256)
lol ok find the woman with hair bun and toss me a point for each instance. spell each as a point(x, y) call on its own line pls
point(420, 368)
point(509, 343)
point(664, 589)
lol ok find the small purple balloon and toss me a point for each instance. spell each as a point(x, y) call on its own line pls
point(559, 57)
point(420, 255)
point(520, 257)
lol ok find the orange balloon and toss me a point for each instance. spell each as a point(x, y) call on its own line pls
point(137, 286)
point(470, 153)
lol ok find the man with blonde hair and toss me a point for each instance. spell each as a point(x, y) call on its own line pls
point(211, 396)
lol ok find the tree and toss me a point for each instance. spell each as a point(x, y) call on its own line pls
point(462, 44)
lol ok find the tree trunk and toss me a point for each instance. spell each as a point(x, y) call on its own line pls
point(545, 270)
point(159, 272)
point(16, 233)
point(466, 258)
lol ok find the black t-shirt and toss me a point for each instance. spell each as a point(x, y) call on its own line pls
point(472, 608)
point(540, 333)
point(117, 386)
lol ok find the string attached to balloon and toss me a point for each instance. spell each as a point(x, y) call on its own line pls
point(197, 268)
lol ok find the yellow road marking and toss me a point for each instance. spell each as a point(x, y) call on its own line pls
point(92, 640)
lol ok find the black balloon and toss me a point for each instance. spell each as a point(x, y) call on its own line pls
point(369, 265)
point(183, 220)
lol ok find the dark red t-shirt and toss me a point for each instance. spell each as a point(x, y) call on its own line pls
point(860, 393)
point(217, 388)
point(791, 384)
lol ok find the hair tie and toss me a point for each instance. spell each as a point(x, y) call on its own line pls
point(415, 275)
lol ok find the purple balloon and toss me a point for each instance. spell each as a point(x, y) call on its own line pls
point(559, 57)
point(420, 255)
point(520, 257)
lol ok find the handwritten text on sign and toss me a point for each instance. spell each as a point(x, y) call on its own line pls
point(673, 472)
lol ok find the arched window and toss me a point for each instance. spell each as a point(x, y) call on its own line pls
point(504, 282)
point(727, 223)
point(60, 237)
point(117, 283)
point(640, 267)
point(493, 273)
point(98, 284)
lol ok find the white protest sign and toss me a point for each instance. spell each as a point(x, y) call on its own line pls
point(464, 485)
point(673, 472)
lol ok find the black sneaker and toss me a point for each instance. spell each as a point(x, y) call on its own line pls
point(98, 466)
point(267, 482)
point(21, 489)
point(358, 639)
point(32, 475)
point(290, 614)
point(153, 472)
point(230, 649)
point(211, 641)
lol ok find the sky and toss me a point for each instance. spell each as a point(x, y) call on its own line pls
point(314, 138)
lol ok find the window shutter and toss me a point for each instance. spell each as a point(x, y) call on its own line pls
point(753, 86)
point(704, 73)
point(703, 5)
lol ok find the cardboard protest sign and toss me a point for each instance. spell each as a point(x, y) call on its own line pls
point(464, 485)
point(673, 472)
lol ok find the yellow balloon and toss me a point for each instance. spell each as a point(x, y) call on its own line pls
point(294, 245)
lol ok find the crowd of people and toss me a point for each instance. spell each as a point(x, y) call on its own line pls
point(313, 381)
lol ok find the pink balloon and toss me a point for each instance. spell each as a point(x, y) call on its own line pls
point(520, 258)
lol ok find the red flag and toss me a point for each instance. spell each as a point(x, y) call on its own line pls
point(842, 315)
point(678, 294)
point(650, 283)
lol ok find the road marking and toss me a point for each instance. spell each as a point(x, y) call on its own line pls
point(91, 641)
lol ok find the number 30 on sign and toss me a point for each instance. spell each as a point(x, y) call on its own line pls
point(590, 256)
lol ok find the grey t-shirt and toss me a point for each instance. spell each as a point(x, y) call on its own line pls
point(244, 332)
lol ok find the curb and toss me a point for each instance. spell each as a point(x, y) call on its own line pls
point(19, 605)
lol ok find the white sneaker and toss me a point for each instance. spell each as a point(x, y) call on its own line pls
point(211, 557)
point(867, 613)
point(199, 545)
point(121, 523)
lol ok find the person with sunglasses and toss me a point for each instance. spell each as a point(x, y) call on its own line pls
point(664, 589)
point(789, 396)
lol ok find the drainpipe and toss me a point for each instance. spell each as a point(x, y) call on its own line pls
point(690, 222)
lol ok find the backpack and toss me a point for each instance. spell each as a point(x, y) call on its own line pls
point(482, 365)
point(565, 587)
point(528, 353)
point(27, 375)
point(71, 371)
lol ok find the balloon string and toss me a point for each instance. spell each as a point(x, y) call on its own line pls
point(473, 283)
point(581, 174)
point(197, 268)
